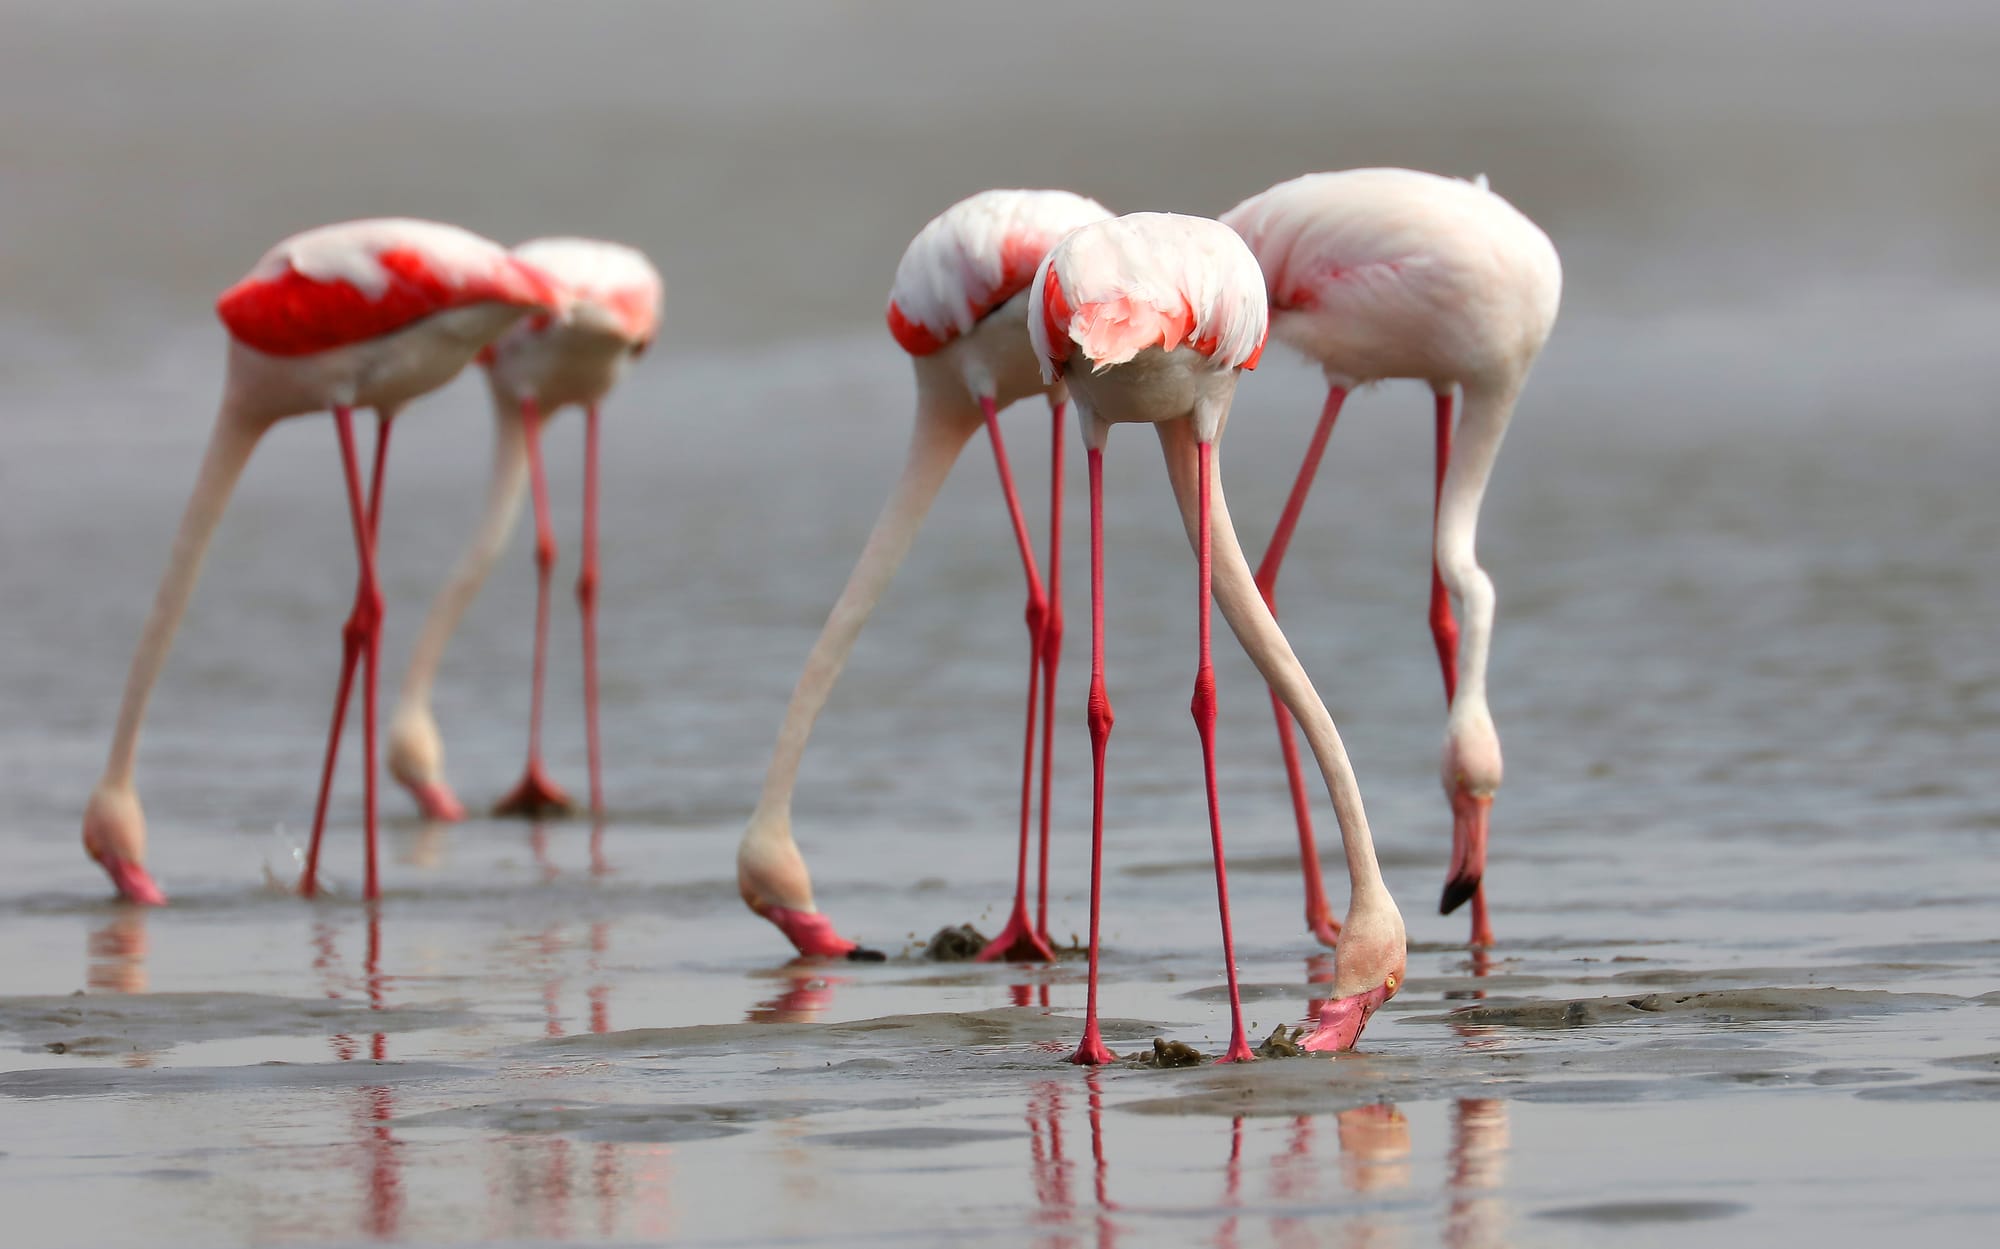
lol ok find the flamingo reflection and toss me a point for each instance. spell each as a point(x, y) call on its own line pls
point(380, 1151)
point(117, 953)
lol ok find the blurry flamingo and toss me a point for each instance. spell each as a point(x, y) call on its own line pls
point(958, 306)
point(1390, 273)
point(1150, 318)
point(535, 370)
point(362, 314)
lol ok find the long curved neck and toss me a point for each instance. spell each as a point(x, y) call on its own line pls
point(1236, 593)
point(943, 426)
point(229, 447)
point(1488, 409)
point(503, 505)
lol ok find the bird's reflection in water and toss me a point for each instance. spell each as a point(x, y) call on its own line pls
point(117, 953)
point(807, 993)
point(1477, 1218)
point(426, 848)
point(375, 1107)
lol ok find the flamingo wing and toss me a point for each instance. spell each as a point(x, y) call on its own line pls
point(974, 257)
point(344, 284)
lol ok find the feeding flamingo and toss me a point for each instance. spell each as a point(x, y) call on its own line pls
point(1391, 273)
point(362, 314)
point(535, 369)
point(1164, 312)
point(959, 307)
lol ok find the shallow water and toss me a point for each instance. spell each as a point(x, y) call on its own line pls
point(1743, 673)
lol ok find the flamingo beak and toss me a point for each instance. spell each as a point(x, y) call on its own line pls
point(1468, 848)
point(133, 882)
point(814, 936)
point(1341, 1020)
point(434, 798)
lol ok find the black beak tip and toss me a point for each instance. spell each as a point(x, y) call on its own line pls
point(1456, 891)
point(862, 954)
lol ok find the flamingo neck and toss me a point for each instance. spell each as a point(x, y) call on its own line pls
point(235, 436)
point(504, 492)
point(943, 425)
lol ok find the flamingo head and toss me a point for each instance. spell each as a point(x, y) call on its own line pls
point(114, 834)
point(1470, 774)
point(1369, 967)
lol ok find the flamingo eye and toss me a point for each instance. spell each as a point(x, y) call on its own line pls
point(1392, 980)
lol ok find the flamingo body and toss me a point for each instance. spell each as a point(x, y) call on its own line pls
point(344, 284)
point(1387, 273)
point(1392, 273)
point(1151, 318)
point(364, 313)
point(612, 296)
point(959, 306)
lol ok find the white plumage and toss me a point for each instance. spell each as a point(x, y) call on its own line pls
point(975, 256)
point(1144, 280)
point(346, 252)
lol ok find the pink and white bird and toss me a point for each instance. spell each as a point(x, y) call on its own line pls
point(366, 314)
point(537, 368)
point(960, 307)
point(1150, 318)
point(1391, 273)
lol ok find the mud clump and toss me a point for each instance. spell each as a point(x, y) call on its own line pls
point(1169, 1054)
point(1282, 1043)
point(961, 944)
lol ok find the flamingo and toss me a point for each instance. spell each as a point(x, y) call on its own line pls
point(1165, 311)
point(959, 307)
point(1391, 273)
point(535, 369)
point(361, 314)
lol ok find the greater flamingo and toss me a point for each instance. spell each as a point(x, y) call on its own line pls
point(1391, 273)
point(361, 314)
point(959, 307)
point(1164, 312)
point(535, 369)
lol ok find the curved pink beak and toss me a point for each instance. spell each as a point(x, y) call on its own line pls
point(133, 882)
point(1468, 848)
point(1342, 1019)
point(814, 936)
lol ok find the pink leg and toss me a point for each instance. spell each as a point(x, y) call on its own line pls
point(537, 794)
point(1091, 1052)
point(1444, 631)
point(586, 602)
point(1018, 942)
point(1319, 916)
point(1203, 709)
point(1052, 635)
point(363, 627)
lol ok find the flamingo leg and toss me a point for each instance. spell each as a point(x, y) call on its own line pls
point(363, 624)
point(1444, 629)
point(536, 794)
point(1091, 1051)
point(586, 603)
point(1019, 942)
point(1319, 915)
point(1052, 635)
point(1203, 710)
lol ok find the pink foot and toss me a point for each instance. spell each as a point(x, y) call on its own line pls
point(133, 882)
point(1341, 1020)
point(435, 801)
point(1091, 1052)
point(813, 935)
point(1018, 942)
point(536, 795)
point(1239, 1052)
